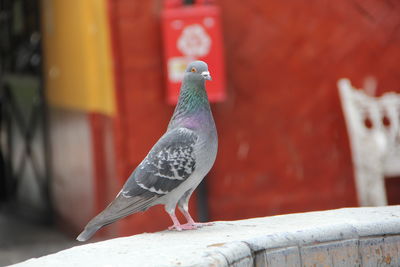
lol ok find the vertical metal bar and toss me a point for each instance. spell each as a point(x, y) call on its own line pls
point(202, 203)
point(47, 153)
point(188, 2)
point(3, 177)
point(45, 129)
point(9, 146)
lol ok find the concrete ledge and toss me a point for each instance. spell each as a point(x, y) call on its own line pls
point(344, 237)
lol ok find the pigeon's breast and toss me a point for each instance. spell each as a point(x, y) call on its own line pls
point(202, 123)
point(206, 148)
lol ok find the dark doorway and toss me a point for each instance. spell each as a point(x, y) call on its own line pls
point(24, 140)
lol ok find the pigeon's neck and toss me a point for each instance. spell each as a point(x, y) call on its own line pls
point(192, 103)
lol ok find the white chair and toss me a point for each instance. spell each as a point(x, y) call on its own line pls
point(374, 133)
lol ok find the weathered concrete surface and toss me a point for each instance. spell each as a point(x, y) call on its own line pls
point(344, 237)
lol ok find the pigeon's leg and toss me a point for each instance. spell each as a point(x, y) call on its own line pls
point(177, 225)
point(191, 224)
point(184, 208)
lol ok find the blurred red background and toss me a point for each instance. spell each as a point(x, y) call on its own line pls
point(283, 145)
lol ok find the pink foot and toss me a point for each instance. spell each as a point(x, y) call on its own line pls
point(190, 222)
point(176, 227)
point(188, 226)
point(199, 224)
point(195, 225)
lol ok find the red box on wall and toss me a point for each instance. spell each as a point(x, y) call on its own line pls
point(192, 32)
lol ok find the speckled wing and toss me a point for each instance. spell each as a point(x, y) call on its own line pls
point(169, 163)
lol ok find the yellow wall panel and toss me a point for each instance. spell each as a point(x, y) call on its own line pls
point(78, 61)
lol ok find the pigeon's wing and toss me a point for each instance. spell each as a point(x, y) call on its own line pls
point(169, 163)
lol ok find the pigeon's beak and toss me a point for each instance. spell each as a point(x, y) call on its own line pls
point(206, 75)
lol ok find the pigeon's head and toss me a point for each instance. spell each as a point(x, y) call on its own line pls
point(197, 71)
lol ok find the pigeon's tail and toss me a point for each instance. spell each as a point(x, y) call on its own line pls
point(119, 208)
point(88, 232)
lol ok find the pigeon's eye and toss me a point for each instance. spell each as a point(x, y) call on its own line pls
point(193, 69)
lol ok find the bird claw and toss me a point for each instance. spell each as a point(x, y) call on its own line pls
point(175, 227)
point(199, 224)
point(189, 226)
point(181, 227)
point(196, 225)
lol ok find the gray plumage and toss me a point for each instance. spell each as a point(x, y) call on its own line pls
point(175, 165)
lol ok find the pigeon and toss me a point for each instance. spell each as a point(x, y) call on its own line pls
point(175, 165)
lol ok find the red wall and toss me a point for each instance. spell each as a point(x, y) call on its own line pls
point(283, 144)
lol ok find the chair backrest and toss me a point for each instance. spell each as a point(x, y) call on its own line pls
point(373, 125)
